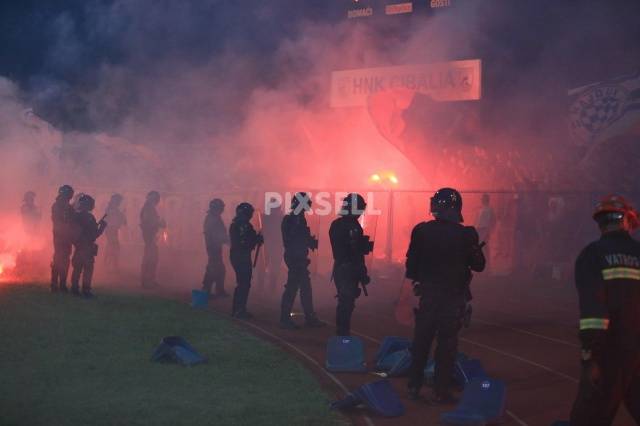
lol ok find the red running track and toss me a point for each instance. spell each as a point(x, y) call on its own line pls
point(524, 333)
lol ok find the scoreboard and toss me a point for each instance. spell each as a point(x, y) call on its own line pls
point(362, 9)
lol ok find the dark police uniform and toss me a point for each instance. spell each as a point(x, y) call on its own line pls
point(440, 259)
point(62, 216)
point(297, 240)
point(243, 240)
point(86, 250)
point(215, 236)
point(150, 224)
point(349, 269)
point(607, 277)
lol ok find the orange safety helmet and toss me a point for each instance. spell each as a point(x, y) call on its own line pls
point(618, 204)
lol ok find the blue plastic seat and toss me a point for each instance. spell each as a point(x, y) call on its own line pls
point(345, 354)
point(483, 402)
point(402, 363)
point(379, 396)
point(178, 350)
point(199, 298)
point(468, 370)
point(390, 350)
point(465, 370)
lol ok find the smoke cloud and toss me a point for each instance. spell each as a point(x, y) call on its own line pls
point(207, 98)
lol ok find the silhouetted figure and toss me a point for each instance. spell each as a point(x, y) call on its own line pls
point(30, 213)
point(273, 249)
point(486, 220)
point(243, 240)
point(117, 220)
point(62, 216)
point(215, 236)
point(150, 224)
point(86, 249)
point(607, 274)
point(26, 260)
point(298, 240)
point(349, 246)
point(486, 223)
point(442, 253)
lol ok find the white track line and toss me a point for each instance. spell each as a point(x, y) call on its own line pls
point(526, 361)
point(494, 324)
point(509, 413)
point(309, 358)
point(491, 348)
point(516, 418)
point(530, 333)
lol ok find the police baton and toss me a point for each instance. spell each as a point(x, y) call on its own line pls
point(364, 289)
point(255, 259)
point(102, 224)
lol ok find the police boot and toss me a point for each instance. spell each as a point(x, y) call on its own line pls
point(286, 305)
point(288, 324)
point(442, 398)
point(414, 393)
point(54, 280)
point(243, 315)
point(314, 322)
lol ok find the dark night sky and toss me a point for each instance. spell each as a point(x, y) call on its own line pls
point(53, 49)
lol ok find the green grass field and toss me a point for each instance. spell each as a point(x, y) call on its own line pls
point(70, 361)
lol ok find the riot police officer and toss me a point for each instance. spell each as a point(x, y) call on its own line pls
point(607, 274)
point(117, 220)
point(215, 236)
point(150, 224)
point(349, 246)
point(86, 249)
point(62, 215)
point(298, 240)
point(442, 253)
point(243, 240)
point(27, 260)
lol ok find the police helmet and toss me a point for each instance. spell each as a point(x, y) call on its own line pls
point(353, 205)
point(66, 191)
point(245, 210)
point(301, 198)
point(153, 196)
point(86, 203)
point(29, 196)
point(116, 199)
point(216, 205)
point(446, 204)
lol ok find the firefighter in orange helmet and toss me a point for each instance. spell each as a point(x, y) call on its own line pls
point(608, 284)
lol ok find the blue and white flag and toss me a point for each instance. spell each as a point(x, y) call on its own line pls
point(603, 110)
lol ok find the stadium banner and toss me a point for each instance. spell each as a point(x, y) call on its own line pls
point(445, 81)
point(601, 111)
point(398, 8)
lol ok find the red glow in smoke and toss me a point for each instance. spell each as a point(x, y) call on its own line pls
point(17, 246)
